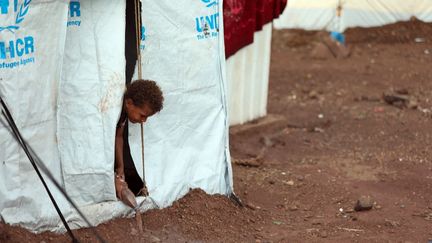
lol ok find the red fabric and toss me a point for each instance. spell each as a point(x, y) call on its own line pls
point(243, 17)
point(279, 8)
point(264, 13)
point(239, 24)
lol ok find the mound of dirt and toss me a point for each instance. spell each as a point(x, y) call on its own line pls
point(402, 32)
point(413, 31)
point(196, 216)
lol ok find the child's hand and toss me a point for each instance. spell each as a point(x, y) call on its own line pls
point(143, 191)
point(119, 183)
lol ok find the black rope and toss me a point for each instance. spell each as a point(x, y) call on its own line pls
point(37, 163)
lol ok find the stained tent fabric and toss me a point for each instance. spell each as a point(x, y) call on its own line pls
point(66, 100)
point(32, 36)
point(322, 15)
point(90, 99)
point(182, 49)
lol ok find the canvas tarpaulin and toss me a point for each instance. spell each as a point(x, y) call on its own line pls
point(32, 35)
point(90, 97)
point(68, 100)
point(317, 14)
point(186, 144)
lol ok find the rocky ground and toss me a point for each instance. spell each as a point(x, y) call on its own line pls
point(348, 128)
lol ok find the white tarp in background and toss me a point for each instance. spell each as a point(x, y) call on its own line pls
point(318, 14)
point(248, 78)
point(186, 145)
point(32, 37)
point(90, 98)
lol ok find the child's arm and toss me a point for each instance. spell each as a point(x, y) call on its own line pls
point(119, 165)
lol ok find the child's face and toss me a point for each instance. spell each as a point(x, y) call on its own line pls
point(138, 114)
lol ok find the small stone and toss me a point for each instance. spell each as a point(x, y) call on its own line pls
point(277, 222)
point(364, 203)
point(290, 183)
point(313, 94)
point(154, 239)
point(134, 231)
point(293, 208)
point(412, 104)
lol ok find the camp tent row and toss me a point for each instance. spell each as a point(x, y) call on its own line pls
point(324, 15)
point(248, 34)
point(62, 69)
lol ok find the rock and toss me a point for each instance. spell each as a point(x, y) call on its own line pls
point(293, 208)
point(313, 94)
point(364, 203)
point(290, 183)
point(154, 239)
point(412, 104)
point(398, 100)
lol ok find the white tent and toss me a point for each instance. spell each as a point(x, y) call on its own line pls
point(319, 14)
point(62, 74)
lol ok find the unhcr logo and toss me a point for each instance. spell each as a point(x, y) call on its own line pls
point(207, 26)
point(210, 3)
point(74, 13)
point(15, 47)
point(143, 37)
point(21, 12)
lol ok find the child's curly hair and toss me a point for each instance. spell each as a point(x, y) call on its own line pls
point(145, 91)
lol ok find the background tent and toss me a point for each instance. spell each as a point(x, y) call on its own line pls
point(317, 14)
point(64, 83)
point(248, 34)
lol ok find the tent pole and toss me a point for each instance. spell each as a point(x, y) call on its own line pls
point(138, 43)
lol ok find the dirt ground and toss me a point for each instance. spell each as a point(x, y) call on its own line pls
point(338, 128)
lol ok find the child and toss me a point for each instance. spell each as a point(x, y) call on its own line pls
point(142, 99)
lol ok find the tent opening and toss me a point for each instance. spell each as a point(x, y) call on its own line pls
point(133, 180)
